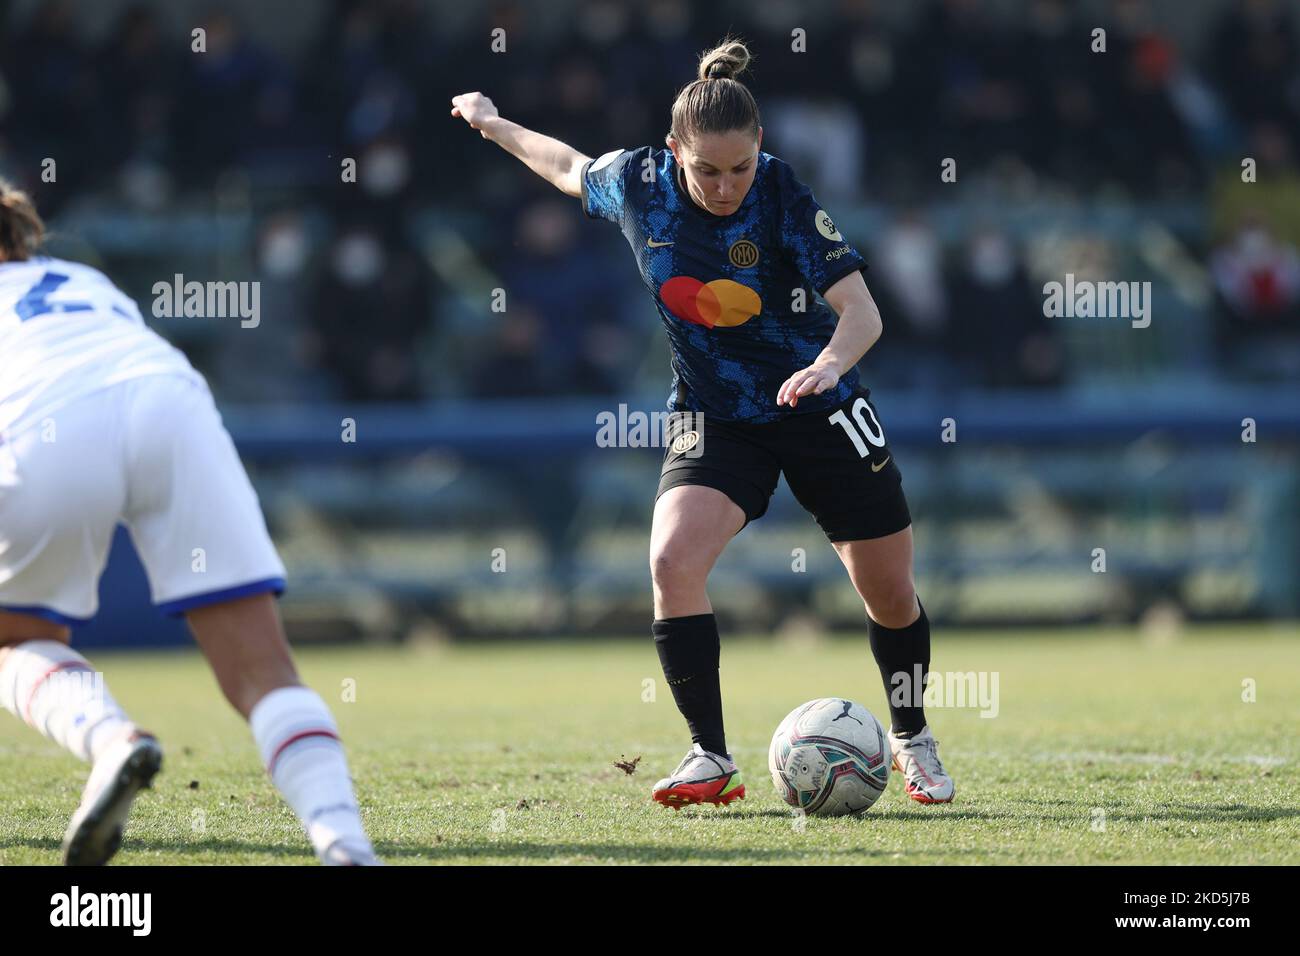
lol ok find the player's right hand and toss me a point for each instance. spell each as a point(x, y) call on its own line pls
point(475, 109)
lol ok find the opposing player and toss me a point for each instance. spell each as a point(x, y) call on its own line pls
point(731, 247)
point(101, 422)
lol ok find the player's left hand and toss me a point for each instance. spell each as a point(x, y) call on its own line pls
point(813, 380)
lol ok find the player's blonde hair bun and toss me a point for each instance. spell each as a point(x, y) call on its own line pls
point(726, 61)
point(715, 101)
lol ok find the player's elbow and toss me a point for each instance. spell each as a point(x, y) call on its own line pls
point(859, 309)
point(875, 326)
point(860, 301)
point(571, 182)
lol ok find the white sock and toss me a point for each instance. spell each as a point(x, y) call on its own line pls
point(300, 748)
point(54, 689)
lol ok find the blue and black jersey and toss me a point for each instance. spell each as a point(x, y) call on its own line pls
point(734, 292)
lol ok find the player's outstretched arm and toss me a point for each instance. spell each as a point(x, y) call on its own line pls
point(557, 163)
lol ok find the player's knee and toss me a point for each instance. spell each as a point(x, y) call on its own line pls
point(673, 569)
point(19, 628)
point(893, 606)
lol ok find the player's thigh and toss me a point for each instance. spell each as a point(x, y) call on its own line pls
point(715, 479)
point(730, 459)
point(881, 571)
point(840, 468)
point(191, 510)
point(62, 491)
point(692, 525)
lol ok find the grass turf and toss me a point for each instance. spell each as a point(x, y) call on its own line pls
point(1106, 749)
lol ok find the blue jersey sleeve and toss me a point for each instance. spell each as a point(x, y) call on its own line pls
point(809, 235)
point(604, 185)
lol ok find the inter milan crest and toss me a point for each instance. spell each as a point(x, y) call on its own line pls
point(743, 254)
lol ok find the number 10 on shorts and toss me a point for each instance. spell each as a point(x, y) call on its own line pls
point(876, 435)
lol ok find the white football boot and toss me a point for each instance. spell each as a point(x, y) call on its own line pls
point(126, 767)
point(701, 777)
point(345, 852)
point(917, 760)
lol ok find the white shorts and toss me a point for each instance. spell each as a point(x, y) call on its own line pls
point(150, 453)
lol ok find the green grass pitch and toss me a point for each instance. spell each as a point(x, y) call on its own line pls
point(1107, 748)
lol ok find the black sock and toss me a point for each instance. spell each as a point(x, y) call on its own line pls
point(689, 649)
point(898, 652)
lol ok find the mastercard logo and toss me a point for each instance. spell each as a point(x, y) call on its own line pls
point(721, 302)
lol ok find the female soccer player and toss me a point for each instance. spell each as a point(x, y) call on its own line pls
point(102, 421)
point(731, 247)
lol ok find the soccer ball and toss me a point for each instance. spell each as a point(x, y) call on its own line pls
point(829, 757)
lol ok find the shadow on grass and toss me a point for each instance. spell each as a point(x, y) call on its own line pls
point(44, 843)
point(939, 811)
point(200, 853)
point(197, 848)
point(653, 853)
point(1194, 812)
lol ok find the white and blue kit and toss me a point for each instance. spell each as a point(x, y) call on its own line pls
point(102, 422)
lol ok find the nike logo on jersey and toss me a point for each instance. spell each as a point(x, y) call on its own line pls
point(875, 467)
point(655, 245)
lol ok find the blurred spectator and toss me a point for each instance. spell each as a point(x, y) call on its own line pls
point(1148, 137)
point(278, 361)
point(235, 97)
point(56, 98)
point(970, 65)
point(907, 280)
point(1257, 279)
point(512, 366)
point(999, 332)
point(136, 72)
point(1272, 193)
point(370, 308)
point(545, 271)
point(1254, 60)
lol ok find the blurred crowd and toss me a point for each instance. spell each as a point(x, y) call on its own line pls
point(381, 289)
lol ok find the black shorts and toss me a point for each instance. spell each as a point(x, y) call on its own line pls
point(836, 463)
